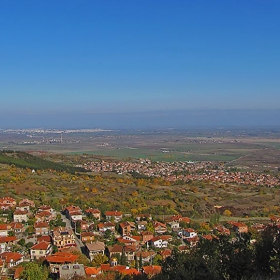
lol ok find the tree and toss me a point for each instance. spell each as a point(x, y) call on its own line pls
point(157, 260)
point(99, 259)
point(268, 251)
point(21, 242)
point(140, 261)
point(33, 271)
point(227, 213)
point(82, 259)
point(123, 260)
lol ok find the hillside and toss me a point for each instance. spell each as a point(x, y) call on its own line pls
point(25, 160)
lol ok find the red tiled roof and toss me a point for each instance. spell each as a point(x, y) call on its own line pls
point(151, 269)
point(166, 253)
point(4, 226)
point(73, 208)
point(105, 267)
point(41, 246)
point(43, 214)
point(18, 271)
point(16, 225)
point(87, 234)
point(137, 237)
point(60, 257)
point(119, 268)
point(91, 210)
point(106, 224)
point(113, 213)
point(4, 239)
point(45, 207)
point(130, 271)
point(125, 241)
point(45, 238)
point(159, 224)
point(20, 212)
point(41, 225)
point(8, 256)
point(92, 270)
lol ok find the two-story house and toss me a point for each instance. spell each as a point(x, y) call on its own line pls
point(94, 248)
point(20, 216)
point(40, 250)
point(41, 228)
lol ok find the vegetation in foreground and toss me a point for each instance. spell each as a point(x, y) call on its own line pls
point(227, 258)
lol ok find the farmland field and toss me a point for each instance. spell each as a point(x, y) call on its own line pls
point(258, 150)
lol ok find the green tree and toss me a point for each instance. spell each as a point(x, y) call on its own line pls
point(33, 271)
point(21, 242)
point(140, 261)
point(123, 260)
point(268, 251)
point(157, 260)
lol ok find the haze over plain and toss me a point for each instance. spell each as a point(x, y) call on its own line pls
point(139, 64)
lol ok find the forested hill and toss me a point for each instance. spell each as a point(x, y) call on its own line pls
point(25, 160)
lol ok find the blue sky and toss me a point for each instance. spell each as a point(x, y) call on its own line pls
point(65, 62)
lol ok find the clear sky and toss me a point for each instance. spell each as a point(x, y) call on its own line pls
point(93, 63)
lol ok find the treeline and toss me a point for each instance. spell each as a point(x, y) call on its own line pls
point(25, 160)
point(226, 258)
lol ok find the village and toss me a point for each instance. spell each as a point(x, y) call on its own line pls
point(87, 243)
point(185, 171)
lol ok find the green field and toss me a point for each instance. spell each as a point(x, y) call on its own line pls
point(260, 151)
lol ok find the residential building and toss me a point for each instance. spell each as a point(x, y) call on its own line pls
point(95, 248)
point(189, 233)
point(7, 242)
point(63, 237)
point(71, 271)
point(7, 203)
point(4, 229)
point(146, 236)
point(158, 242)
point(41, 228)
point(11, 259)
point(87, 237)
point(95, 213)
point(20, 216)
point(102, 227)
point(159, 227)
point(126, 228)
point(60, 258)
point(115, 216)
point(40, 250)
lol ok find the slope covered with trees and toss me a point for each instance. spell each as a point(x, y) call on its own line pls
point(25, 160)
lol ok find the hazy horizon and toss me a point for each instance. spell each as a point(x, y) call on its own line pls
point(147, 120)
